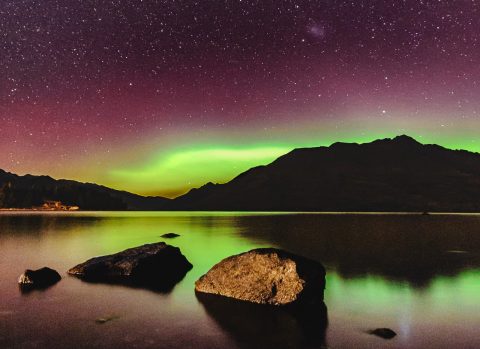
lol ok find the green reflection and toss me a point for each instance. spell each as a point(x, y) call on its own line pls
point(363, 254)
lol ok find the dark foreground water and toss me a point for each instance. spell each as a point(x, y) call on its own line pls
point(419, 275)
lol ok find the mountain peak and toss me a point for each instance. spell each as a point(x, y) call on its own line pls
point(405, 139)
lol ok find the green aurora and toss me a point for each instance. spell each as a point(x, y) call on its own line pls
point(170, 164)
point(172, 172)
point(182, 170)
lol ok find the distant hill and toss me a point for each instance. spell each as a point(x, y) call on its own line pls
point(398, 174)
point(33, 191)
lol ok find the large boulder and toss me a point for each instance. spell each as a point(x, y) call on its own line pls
point(38, 279)
point(158, 266)
point(266, 276)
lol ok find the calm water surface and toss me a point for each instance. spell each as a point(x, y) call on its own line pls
point(419, 275)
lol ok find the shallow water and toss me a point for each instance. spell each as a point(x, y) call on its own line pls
point(419, 275)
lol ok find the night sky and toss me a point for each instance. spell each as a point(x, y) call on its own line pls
point(158, 96)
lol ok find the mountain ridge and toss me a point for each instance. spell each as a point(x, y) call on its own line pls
point(390, 174)
point(30, 191)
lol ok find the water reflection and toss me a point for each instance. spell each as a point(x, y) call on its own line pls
point(265, 327)
point(419, 275)
point(413, 248)
point(34, 225)
point(154, 283)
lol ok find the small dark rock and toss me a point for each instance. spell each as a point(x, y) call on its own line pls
point(385, 333)
point(170, 235)
point(266, 276)
point(157, 266)
point(38, 279)
point(104, 320)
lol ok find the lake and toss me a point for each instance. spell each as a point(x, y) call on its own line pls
point(416, 274)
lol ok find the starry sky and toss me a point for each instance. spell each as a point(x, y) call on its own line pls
point(156, 97)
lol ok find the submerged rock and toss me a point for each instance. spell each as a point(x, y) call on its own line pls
point(158, 266)
point(385, 333)
point(104, 320)
point(265, 276)
point(170, 235)
point(38, 279)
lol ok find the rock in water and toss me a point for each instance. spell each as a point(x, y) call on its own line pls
point(265, 276)
point(38, 279)
point(158, 266)
point(170, 236)
point(104, 320)
point(385, 333)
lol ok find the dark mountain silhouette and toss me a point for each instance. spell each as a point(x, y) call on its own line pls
point(398, 174)
point(33, 191)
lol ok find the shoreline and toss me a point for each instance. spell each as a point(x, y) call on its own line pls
point(393, 213)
